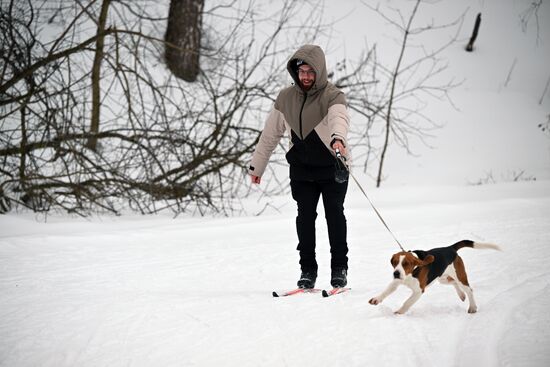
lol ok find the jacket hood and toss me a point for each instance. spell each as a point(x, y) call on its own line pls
point(313, 56)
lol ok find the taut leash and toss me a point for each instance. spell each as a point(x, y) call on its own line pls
point(343, 159)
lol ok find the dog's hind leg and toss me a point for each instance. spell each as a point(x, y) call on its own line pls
point(449, 280)
point(459, 291)
point(462, 283)
point(470, 294)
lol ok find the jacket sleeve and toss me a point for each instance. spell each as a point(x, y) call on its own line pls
point(272, 133)
point(338, 122)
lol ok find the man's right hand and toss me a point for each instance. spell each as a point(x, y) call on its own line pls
point(255, 179)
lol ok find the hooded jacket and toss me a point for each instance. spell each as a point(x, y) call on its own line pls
point(312, 120)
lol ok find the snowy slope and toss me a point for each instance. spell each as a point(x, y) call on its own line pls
point(141, 291)
point(494, 127)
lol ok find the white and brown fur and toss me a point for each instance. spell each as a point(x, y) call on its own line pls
point(418, 269)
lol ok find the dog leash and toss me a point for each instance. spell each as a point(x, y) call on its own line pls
point(343, 159)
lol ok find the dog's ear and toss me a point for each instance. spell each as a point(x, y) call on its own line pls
point(427, 260)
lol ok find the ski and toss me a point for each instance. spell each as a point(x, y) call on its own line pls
point(293, 292)
point(334, 291)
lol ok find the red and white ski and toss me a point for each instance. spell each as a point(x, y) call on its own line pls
point(334, 291)
point(295, 291)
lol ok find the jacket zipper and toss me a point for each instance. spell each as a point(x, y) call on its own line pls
point(302, 110)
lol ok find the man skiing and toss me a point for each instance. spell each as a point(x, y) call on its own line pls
point(313, 114)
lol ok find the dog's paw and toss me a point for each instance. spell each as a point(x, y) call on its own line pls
point(472, 309)
point(402, 310)
point(375, 301)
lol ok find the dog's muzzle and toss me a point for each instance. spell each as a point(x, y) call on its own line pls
point(397, 274)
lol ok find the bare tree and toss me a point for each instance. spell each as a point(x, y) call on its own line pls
point(398, 94)
point(164, 144)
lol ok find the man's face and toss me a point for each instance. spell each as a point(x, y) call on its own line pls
point(306, 75)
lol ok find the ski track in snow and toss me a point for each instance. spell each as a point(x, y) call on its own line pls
point(178, 292)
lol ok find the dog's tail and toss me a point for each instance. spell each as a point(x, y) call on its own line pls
point(477, 245)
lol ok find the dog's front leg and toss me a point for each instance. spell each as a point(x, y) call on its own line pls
point(389, 290)
point(410, 301)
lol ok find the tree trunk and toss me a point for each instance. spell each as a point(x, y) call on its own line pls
point(183, 37)
point(96, 76)
point(470, 46)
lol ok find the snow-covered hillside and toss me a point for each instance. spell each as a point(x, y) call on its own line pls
point(494, 128)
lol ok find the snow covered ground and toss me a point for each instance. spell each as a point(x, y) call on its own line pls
point(157, 291)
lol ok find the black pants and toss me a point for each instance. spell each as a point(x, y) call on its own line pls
point(306, 194)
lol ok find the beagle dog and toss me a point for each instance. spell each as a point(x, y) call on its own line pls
point(418, 269)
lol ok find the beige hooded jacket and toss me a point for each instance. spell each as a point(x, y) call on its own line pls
point(322, 108)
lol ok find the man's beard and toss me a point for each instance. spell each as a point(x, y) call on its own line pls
point(306, 87)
